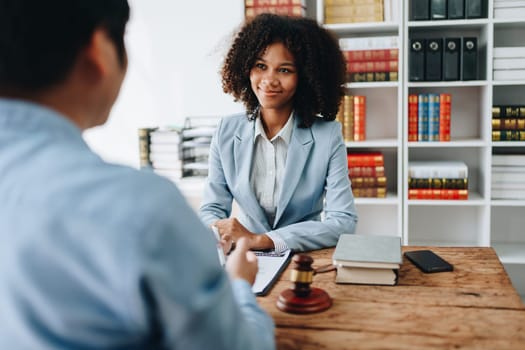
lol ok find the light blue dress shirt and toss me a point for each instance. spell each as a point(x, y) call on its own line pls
point(100, 256)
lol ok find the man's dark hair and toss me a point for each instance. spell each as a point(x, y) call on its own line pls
point(40, 39)
point(319, 61)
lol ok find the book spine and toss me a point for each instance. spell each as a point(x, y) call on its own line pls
point(351, 2)
point(443, 194)
point(362, 77)
point(365, 159)
point(369, 43)
point(297, 11)
point(359, 118)
point(366, 171)
point(367, 182)
point(354, 19)
point(372, 66)
point(433, 117)
point(508, 135)
point(438, 183)
point(259, 3)
point(508, 124)
point(371, 55)
point(422, 117)
point(144, 147)
point(445, 111)
point(508, 111)
point(348, 118)
point(412, 117)
point(356, 10)
point(369, 192)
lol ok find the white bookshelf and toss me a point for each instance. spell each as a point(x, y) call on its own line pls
point(478, 221)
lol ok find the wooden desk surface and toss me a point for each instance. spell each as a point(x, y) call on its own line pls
point(473, 307)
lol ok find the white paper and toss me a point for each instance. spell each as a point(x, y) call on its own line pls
point(270, 264)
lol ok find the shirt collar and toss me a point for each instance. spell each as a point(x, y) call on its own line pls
point(285, 133)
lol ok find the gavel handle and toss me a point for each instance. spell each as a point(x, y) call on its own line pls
point(324, 268)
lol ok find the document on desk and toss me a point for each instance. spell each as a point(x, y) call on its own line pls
point(271, 265)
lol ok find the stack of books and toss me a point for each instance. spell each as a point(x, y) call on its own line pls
point(176, 152)
point(367, 174)
point(509, 63)
point(366, 259)
point(508, 123)
point(353, 11)
point(371, 58)
point(437, 180)
point(508, 176)
point(429, 117)
point(352, 116)
point(253, 8)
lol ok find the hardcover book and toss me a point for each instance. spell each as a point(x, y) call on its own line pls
point(456, 9)
point(368, 251)
point(445, 114)
point(419, 10)
point(358, 275)
point(438, 9)
point(412, 117)
point(474, 8)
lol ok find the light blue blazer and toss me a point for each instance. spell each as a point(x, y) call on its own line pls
point(316, 170)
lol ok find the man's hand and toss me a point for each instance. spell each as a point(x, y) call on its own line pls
point(242, 263)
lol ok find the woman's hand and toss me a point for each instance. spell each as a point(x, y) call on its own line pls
point(236, 230)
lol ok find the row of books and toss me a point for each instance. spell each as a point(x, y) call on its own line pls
point(253, 8)
point(429, 117)
point(424, 10)
point(367, 174)
point(437, 180)
point(436, 59)
point(508, 123)
point(509, 9)
point(371, 58)
point(176, 152)
point(353, 11)
point(352, 116)
point(508, 176)
point(509, 63)
point(367, 259)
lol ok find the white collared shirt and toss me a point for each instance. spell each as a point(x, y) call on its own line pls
point(267, 173)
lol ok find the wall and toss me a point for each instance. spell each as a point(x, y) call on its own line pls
point(175, 50)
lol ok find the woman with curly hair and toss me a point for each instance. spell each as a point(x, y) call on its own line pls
point(284, 160)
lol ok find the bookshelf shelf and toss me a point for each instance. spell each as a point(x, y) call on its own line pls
point(461, 24)
point(448, 144)
point(448, 84)
point(373, 85)
point(366, 28)
point(508, 144)
point(379, 143)
point(391, 199)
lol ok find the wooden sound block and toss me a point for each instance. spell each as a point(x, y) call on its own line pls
point(318, 300)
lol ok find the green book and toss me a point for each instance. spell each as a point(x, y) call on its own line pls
point(381, 252)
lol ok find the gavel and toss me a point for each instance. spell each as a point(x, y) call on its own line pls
point(303, 299)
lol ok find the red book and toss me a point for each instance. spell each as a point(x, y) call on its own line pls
point(412, 117)
point(365, 159)
point(363, 171)
point(371, 55)
point(372, 66)
point(359, 118)
point(444, 194)
point(444, 116)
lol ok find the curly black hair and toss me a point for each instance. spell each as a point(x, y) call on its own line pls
point(319, 61)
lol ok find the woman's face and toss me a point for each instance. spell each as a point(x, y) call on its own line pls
point(274, 78)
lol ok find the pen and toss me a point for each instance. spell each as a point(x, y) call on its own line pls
point(222, 258)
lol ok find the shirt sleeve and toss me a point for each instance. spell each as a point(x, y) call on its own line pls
point(278, 243)
point(189, 296)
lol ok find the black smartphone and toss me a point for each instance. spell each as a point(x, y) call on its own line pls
point(428, 261)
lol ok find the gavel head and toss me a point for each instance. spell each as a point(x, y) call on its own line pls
point(303, 299)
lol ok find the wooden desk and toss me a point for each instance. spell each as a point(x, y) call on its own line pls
point(473, 307)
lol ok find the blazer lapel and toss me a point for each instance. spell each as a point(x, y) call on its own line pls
point(298, 151)
point(242, 153)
